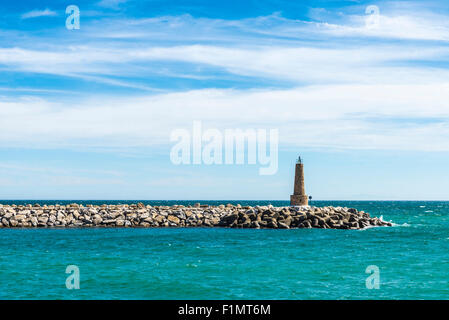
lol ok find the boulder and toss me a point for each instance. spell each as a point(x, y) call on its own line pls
point(282, 225)
point(173, 219)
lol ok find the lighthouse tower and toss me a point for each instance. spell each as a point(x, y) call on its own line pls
point(299, 197)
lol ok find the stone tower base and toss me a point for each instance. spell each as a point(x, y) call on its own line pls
point(299, 200)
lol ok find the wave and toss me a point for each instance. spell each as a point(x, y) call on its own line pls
point(405, 224)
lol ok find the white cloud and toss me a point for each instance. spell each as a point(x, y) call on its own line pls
point(407, 25)
point(369, 64)
point(398, 117)
point(394, 25)
point(39, 13)
point(356, 94)
point(299, 52)
point(113, 4)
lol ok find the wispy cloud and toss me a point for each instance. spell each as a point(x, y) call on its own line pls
point(335, 116)
point(39, 13)
point(305, 65)
point(126, 52)
point(427, 27)
point(342, 82)
point(113, 4)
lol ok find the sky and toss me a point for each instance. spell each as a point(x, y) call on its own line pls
point(359, 89)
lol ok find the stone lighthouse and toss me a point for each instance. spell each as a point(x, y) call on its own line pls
point(299, 197)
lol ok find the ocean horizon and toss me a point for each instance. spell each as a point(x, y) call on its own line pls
point(244, 202)
point(224, 263)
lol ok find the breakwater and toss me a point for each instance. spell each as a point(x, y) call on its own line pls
point(139, 215)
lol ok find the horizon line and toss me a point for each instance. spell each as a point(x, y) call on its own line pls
point(199, 200)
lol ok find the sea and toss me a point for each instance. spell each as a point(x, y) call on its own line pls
point(407, 261)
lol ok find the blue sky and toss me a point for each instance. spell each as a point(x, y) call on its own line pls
point(87, 114)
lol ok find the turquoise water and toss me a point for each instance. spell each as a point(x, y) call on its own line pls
point(203, 263)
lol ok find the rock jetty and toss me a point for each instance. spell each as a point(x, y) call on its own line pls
point(139, 215)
